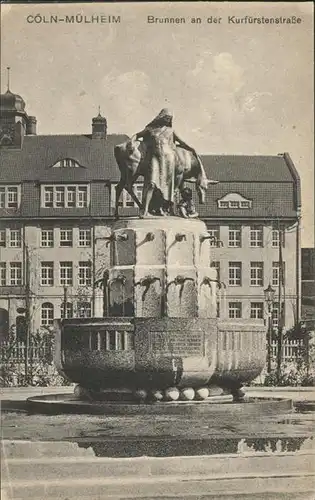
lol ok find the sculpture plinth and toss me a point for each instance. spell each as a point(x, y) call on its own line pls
point(160, 335)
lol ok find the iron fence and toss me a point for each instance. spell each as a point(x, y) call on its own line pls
point(18, 351)
point(292, 350)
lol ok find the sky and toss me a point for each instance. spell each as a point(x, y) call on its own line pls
point(233, 88)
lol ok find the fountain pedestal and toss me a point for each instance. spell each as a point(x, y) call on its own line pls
point(161, 331)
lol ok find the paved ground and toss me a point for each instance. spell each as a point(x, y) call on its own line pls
point(227, 424)
point(63, 457)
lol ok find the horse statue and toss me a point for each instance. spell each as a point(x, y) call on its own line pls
point(132, 160)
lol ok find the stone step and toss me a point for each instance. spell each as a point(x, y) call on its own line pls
point(264, 488)
point(40, 449)
point(63, 471)
point(252, 464)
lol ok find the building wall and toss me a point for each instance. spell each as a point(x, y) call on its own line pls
point(31, 254)
point(267, 255)
point(99, 256)
point(269, 184)
point(308, 287)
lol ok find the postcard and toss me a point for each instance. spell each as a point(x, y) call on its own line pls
point(157, 292)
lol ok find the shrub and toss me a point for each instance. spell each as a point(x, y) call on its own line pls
point(293, 373)
point(37, 370)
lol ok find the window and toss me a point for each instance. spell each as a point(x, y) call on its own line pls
point(84, 237)
point(235, 236)
point(66, 239)
point(66, 273)
point(12, 197)
point(15, 238)
point(3, 272)
point(84, 310)
point(85, 273)
point(71, 192)
point(235, 273)
point(60, 197)
point(245, 204)
point(47, 238)
point(47, 274)
point(234, 201)
point(66, 310)
point(9, 196)
point(235, 310)
point(216, 265)
point(49, 197)
point(16, 273)
point(275, 237)
point(256, 235)
point(276, 273)
point(257, 274)
point(275, 314)
point(125, 199)
point(2, 238)
point(74, 196)
point(256, 310)
point(223, 204)
point(214, 232)
point(66, 163)
point(47, 314)
point(82, 197)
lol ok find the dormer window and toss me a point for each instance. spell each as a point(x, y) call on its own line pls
point(234, 201)
point(65, 196)
point(10, 196)
point(245, 204)
point(67, 163)
point(223, 204)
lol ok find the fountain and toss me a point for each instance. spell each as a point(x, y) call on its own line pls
point(160, 338)
point(157, 347)
point(157, 337)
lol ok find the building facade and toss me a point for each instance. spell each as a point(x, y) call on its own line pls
point(57, 199)
point(308, 287)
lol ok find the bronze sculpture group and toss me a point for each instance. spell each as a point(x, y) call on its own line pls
point(165, 162)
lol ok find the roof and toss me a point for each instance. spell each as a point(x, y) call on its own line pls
point(270, 181)
point(269, 200)
point(11, 102)
point(247, 168)
point(40, 152)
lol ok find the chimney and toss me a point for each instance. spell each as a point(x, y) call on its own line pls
point(19, 134)
point(31, 125)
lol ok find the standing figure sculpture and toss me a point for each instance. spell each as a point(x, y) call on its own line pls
point(164, 161)
point(186, 206)
point(161, 140)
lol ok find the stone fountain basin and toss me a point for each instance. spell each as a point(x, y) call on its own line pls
point(214, 405)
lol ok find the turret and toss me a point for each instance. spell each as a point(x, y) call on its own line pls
point(14, 121)
point(99, 127)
